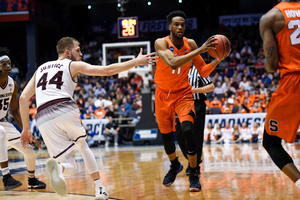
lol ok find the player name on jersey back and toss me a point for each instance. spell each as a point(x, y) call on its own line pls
point(292, 13)
point(56, 65)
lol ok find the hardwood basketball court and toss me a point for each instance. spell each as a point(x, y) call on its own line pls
point(235, 171)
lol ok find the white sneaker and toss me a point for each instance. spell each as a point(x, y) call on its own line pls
point(116, 144)
point(101, 193)
point(58, 182)
point(106, 144)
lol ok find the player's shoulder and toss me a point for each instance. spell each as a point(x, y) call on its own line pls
point(271, 16)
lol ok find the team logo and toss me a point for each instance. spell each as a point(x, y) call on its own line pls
point(171, 48)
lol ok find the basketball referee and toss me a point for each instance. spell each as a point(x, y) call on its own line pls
point(200, 86)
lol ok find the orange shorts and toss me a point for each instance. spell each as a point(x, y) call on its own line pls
point(283, 115)
point(167, 103)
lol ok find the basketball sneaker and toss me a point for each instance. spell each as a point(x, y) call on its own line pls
point(34, 183)
point(171, 175)
point(101, 193)
point(10, 183)
point(195, 185)
point(188, 170)
point(57, 180)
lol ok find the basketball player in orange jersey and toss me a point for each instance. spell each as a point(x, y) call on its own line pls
point(174, 93)
point(279, 29)
point(57, 116)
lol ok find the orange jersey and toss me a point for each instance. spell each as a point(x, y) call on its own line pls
point(168, 79)
point(288, 40)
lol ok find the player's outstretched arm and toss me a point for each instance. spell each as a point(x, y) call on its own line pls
point(14, 107)
point(161, 47)
point(28, 92)
point(269, 42)
point(96, 70)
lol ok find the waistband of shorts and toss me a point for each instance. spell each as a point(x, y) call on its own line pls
point(174, 91)
point(50, 103)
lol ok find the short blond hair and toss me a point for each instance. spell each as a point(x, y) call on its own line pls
point(65, 43)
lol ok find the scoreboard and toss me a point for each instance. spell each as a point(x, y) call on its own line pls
point(128, 27)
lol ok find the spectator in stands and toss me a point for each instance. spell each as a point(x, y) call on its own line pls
point(100, 112)
point(232, 101)
point(241, 64)
point(227, 134)
point(232, 62)
point(273, 86)
point(225, 83)
point(138, 100)
point(218, 88)
point(235, 54)
point(136, 81)
point(32, 111)
point(244, 83)
point(208, 133)
point(126, 105)
point(226, 109)
point(111, 129)
point(256, 108)
point(246, 50)
point(111, 112)
point(100, 101)
point(263, 105)
point(255, 81)
point(89, 113)
point(87, 85)
point(266, 79)
point(99, 90)
point(263, 89)
point(80, 101)
point(215, 103)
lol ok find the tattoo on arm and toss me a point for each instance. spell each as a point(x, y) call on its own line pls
point(270, 51)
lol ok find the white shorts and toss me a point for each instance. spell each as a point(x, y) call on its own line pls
point(12, 134)
point(61, 129)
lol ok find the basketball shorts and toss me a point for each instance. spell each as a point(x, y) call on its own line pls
point(61, 129)
point(283, 116)
point(167, 103)
point(12, 134)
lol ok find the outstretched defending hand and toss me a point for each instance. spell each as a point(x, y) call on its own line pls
point(209, 44)
point(146, 59)
point(26, 138)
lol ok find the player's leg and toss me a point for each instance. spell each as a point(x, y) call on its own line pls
point(116, 137)
point(106, 137)
point(280, 157)
point(165, 115)
point(8, 181)
point(179, 138)
point(186, 114)
point(29, 157)
point(92, 167)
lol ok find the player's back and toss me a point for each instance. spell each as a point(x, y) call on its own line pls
point(288, 40)
point(168, 79)
point(53, 81)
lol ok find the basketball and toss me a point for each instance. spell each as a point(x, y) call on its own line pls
point(222, 48)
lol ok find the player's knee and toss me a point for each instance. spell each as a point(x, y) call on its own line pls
point(168, 141)
point(269, 141)
point(191, 145)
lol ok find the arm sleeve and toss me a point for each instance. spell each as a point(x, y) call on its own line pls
point(203, 68)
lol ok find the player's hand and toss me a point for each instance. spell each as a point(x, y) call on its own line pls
point(194, 90)
point(146, 59)
point(26, 138)
point(36, 142)
point(209, 44)
point(220, 59)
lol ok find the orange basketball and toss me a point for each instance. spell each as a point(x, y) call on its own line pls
point(222, 48)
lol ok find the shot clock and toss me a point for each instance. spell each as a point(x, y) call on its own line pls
point(128, 27)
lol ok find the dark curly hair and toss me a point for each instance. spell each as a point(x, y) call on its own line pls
point(4, 51)
point(177, 13)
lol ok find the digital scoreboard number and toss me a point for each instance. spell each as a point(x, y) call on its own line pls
point(128, 27)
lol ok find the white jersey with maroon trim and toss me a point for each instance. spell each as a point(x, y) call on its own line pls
point(5, 96)
point(53, 80)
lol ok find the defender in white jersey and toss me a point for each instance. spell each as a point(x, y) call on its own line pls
point(9, 135)
point(58, 117)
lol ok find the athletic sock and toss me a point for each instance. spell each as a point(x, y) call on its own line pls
point(5, 171)
point(98, 183)
point(175, 163)
point(31, 173)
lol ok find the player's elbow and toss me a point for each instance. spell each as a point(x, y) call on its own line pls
point(271, 66)
point(211, 87)
point(23, 99)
